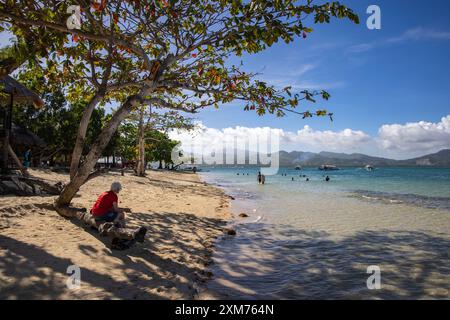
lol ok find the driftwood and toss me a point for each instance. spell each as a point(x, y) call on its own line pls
point(17, 161)
point(5, 189)
point(17, 183)
point(51, 189)
point(105, 229)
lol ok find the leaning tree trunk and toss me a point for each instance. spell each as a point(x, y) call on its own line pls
point(83, 173)
point(140, 167)
point(82, 129)
point(13, 155)
point(94, 154)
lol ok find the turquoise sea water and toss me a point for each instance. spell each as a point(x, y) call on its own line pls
point(315, 239)
point(429, 187)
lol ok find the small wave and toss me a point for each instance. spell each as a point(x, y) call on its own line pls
point(370, 198)
point(257, 219)
point(442, 203)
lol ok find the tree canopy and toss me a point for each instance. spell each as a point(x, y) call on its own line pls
point(174, 54)
point(177, 50)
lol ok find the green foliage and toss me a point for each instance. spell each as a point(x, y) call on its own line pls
point(57, 121)
point(158, 147)
point(127, 141)
point(174, 52)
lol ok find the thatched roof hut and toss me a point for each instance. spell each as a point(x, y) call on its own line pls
point(12, 92)
point(24, 137)
point(21, 94)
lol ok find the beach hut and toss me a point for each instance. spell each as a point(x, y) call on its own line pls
point(12, 93)
point(22, 137)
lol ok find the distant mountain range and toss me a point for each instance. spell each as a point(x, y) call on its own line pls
point(298, 158)
point(311, 159)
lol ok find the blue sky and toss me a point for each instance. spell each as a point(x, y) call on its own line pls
point(397, 75)
point(389, 82)
point(390, 88)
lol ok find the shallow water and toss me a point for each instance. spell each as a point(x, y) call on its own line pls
point(306, 240)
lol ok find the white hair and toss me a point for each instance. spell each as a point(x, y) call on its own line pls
point(116, 186)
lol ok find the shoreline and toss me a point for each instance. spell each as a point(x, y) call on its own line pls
point(185, 218)
point(234, 222)
point(303, 244)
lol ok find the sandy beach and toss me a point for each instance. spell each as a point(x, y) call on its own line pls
point(184, 217)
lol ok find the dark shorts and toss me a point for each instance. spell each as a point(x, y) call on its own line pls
point(107, 217)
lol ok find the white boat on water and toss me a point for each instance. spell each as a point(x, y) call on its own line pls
point(298, 168)
point(369, 167)
point(328, 167)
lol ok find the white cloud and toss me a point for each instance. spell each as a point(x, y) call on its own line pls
point(417, 137)
point(362, 47)
point(300, 71)
point(209, 138)
point(421, 33)
point(399, 141)
point(295, 84)
point(306, 139)
point(414, 34)
point(295, 78)
point(315, 140)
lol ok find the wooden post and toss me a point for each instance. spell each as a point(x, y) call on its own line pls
point(17, 161)
point(7, 131)
point(4, 168)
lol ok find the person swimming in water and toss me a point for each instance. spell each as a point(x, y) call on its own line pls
point(327, 178)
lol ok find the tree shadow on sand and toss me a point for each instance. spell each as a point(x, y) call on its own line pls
point(301, 264)
point(167, 260)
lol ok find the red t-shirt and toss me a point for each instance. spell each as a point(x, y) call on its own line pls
point(104, 203)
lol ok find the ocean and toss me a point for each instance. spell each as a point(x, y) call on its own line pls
point(319, 240)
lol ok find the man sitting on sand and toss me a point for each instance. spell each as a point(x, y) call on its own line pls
point(110, 218)
point(106, 208)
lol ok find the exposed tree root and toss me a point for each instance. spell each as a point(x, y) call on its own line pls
point(105, 229)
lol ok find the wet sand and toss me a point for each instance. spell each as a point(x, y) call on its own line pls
point(184, 218)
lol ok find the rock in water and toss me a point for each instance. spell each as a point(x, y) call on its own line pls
point(230, 232)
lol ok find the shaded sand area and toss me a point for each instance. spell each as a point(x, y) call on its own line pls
point(183, 215)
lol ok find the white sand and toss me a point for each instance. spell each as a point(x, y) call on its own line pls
point(183, 215)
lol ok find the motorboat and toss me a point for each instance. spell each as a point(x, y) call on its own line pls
point(328, 167)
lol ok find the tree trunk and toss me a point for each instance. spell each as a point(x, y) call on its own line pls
point(7, 121)
point(141, 146)
point(94, 154)
point(82, 129)
point(17, 161)
point(107, 228)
